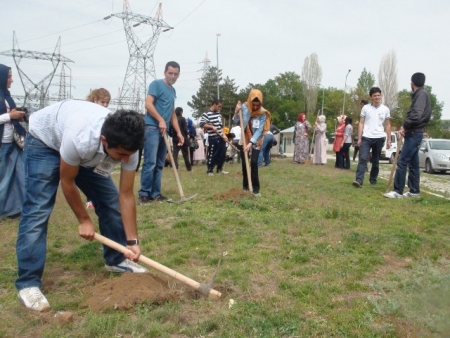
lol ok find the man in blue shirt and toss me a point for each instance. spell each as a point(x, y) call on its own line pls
point(159, 104)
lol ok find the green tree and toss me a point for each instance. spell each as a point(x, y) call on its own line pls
point(365, 81)
point(229, 97)
point(206, 93)
point(434, 127)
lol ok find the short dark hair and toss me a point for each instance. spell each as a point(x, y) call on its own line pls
point(178, 111)
point(172, 64)
point(215, 101)
point(364, 102)
point(348, 120)
point(125, 129)
point(418, 79)
point(374, 90)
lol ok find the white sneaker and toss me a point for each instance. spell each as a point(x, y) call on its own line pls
point(393, 194)
point(125, 266)
point(225, 172)
point(33, 299)
point(410, 194)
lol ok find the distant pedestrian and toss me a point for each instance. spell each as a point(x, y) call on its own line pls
point(236, 130)
point(184, 147)
point(344, 153)
point(199, 153)
point(374, 118)
point(412, 130)
point(211, 121)
point(320, 141)
point(302, 129)
point(355, 139)
point(338, 138)
point(12, 170)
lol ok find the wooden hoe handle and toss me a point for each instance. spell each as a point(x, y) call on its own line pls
point(203, 288)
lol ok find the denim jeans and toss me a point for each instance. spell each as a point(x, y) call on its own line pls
point(42, 166)
point(409, 159)
point(155, 152)
point(376, 144)
point(343, 157)
point(265, 150)
point(11, 179)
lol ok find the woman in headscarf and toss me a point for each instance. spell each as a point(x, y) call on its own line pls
point(256, 121)
point(338, 140)
point(301, 141)
point(12, 184)
point(320, 141)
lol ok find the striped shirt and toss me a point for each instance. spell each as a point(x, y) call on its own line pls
point(73, 128)
point(214, 119)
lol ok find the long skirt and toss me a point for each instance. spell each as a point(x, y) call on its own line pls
point(199, 153)
point(12, 179)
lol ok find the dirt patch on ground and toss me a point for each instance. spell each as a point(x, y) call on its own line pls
point(130, 289)
point(232, 194)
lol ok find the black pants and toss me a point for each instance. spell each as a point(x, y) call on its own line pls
point(253, 159)
point(185, 151)
point(344, 156)
point(216, 153)
point(355, 152)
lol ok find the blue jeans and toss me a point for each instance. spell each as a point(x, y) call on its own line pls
point(265, 150)
point(155, 152)
point(11, 179)
point(409, 158)
point(376, 144)
point(42, 166)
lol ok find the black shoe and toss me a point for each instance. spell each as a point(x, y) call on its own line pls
point(357, 184)
point(145, 200)
point(162, 198)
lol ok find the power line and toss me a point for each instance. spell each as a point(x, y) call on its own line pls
point(190, 13)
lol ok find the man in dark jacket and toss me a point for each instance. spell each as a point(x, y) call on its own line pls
point(412, 130)
point(185, 147)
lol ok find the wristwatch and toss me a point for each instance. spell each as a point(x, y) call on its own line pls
point(133, 242)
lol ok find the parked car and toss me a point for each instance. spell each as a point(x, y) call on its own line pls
point(434, 155)
point(389, 154)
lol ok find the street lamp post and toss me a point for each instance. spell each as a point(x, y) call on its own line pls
point(323, 96)
point(217, 52)
point(345, 88)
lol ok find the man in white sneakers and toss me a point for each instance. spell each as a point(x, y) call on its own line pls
point(77, 144)
point(374, 118)
point(412, 130)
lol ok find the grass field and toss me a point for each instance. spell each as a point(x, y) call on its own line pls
point(312, 257)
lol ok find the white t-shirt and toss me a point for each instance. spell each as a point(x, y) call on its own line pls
point(374, 118)
point(74, 128)
point(236, 130)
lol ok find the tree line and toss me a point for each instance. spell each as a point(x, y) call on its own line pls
point(288, 94)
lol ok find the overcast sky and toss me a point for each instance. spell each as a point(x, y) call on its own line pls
point(259, 40)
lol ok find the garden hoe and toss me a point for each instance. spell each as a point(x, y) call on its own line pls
point(247, 166)
point(204, 289)
point(231, 144)
point(394, 165)
point(175, 170)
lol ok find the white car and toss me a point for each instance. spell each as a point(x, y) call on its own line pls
point(434, 155)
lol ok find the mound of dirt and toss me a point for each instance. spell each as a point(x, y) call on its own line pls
point(130, 289)
point(233, 194)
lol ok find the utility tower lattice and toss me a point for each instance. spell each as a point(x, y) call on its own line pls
point(36, 94)
point(141, 63)
point(206, 64)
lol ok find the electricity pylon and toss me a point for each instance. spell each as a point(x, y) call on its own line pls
point(141, 62)
point(36, 93)
point(206, 64)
